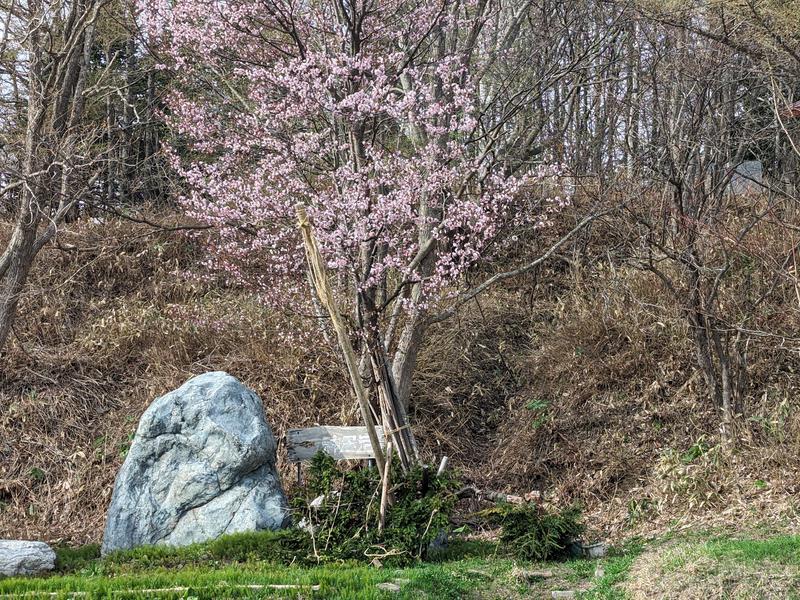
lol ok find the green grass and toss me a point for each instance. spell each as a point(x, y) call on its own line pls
point(783, 549)
point(222, 568)
point(717, 565)
point(616, 568)
point(72, 559)
point(447, 580)
point(467, 569)
point(341, 582)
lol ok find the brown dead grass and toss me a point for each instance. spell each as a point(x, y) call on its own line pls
point(580, 383)
point(103, 332)
point(577, 380)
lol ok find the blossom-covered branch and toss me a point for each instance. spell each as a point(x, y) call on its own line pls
point(380, 118)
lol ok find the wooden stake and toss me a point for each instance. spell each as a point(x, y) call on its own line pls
point(319, 276)
point(385, 488)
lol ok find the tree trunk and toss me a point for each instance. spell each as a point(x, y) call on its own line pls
point(55, 86)
point(404, 362)
point(16, 265)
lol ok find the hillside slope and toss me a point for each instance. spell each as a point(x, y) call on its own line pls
point(577, 381)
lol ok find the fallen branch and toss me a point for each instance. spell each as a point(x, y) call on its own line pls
point(471, 491)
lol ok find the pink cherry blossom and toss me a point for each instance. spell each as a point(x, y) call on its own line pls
point(370, 114)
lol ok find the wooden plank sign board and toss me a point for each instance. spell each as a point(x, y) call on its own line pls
point(342, 443)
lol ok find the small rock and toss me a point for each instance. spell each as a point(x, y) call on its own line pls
point(596, 550)
point(20, 557)
point(556, 594)
point(388, 586)
point(526, 575)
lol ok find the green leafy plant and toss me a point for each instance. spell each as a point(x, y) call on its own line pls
point(695, 451)
point(540, 408)
point(125, 446)
point(73, 559)
point(37, 474)
point(537, 404)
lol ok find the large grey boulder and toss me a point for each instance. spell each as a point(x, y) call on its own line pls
point(19, 557)
point(202, 464)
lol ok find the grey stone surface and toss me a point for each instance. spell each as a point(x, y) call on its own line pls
point(20, 557)
point(593, 550)
point(202, 464)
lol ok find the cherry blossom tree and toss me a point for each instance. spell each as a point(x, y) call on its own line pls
point(401, 125)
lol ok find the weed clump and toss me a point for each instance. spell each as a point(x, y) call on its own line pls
point(73, 559)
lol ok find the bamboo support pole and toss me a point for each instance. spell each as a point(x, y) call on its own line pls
point(319, 275)
point(392, 427)
point(394, 413)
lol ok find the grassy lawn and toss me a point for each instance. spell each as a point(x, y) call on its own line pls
point(690, 566)
point(477, 578)
point(467, 570)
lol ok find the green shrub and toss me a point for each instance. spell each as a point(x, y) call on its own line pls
point(285, 546)
point(345, 525)
point(343, 528)
point(529, 532)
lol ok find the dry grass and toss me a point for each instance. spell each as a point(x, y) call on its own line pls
point(577, 380)
point(581, 383)
point(101, 334)
point(693, 571)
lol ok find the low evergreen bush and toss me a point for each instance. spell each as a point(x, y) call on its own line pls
point(338, 514)
point(344, 525)
point(530, 532)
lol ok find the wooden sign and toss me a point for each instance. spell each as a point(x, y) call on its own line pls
point(342, 443)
